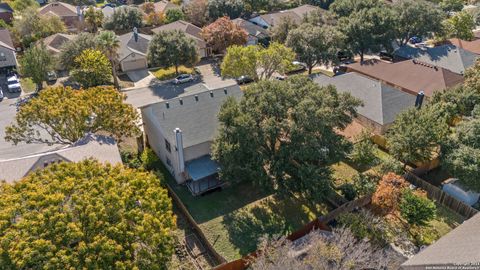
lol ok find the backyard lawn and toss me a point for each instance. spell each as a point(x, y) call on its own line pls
point(235, 218)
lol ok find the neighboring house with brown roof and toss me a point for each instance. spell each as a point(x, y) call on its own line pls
point(271, 19)
point(256, 34)
point(471, 46)
point(8, 55)
point(102, 148)
point(55, 42)
point(163, 5)
point(191, 31)
point(411, 76)
point(132, 54)
point(66, 12)
point(6, 12)
point(456, 250)
point(381, 103)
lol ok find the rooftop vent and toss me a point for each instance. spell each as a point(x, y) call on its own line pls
point(167, 105)
point(211, 93)
point(196, 98)
point(225, 91)
point(181, 101)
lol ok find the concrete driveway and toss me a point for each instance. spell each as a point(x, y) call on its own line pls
point(210, 75)
point(8, 110)
point(141, 77)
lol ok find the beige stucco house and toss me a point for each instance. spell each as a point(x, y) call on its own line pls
point(181, 132)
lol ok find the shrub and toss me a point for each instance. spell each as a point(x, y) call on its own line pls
point(364, 224)
point(416, 208)
point(365, 184)
point(390, 165)
point(388, 193)
point(169, 73)
point(130, 159)
point(149, 159)
point(363, 153)
point(348, 191)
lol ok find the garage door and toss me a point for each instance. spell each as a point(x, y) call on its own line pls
point(128, 65)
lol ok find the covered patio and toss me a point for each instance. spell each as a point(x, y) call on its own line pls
point(202, 175)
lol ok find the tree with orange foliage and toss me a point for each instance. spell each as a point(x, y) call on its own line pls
point(389, 191)
point(223, 33)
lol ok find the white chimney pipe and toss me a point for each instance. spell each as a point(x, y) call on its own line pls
point(179, 144)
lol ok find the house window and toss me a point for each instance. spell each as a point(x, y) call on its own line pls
point(167, 146)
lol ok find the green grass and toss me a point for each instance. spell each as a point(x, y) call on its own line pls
point(323, 71)
point(234, 218)
point(444, 221)
point(169, 73)
point(343, 173)
point(28, 86)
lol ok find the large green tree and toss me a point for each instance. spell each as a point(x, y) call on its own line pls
point(460, 25)
point(368, 27)
point(462, 153)
point(86, 216)
point(61, 115)
point(124, 18)
point(452, 5)
point(29, 26)
point(35, 63)
point(172, 48)
point(109, 44)
point(93, 18)
point(344, 8)
point(220, 8)
point(73, 48)
point(315, 45)
point(416, 18)
point(173, 15)
point(280, 31)
point(281, 136)
point(93, 68)
point(257, 62)
point(415, 135)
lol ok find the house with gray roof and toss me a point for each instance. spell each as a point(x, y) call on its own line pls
point(456, 250)
point(191, 31)
point(132, 54)
point(181, 132)
point(381, 102)
point(447, 56)
point(256, 34)
point(101, 148)
point(8, 56)
point(271, 19)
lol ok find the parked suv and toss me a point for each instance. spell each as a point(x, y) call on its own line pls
point(13, 84)
point(184, 78)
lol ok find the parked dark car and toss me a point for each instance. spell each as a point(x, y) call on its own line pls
point(344, 56)
point(386, 56)
point(51, 76)
point(415, 40)
point(243, 80)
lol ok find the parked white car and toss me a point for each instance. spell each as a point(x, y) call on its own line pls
point(454, 188)
point(184, 78)
point(13, 84)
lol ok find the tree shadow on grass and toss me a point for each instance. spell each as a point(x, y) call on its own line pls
point(271, 216)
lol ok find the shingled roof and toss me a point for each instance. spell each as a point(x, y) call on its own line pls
point(381, 103)
point(447, 56)
point(195, 114)
point(59, 9)
point(128, 45)
point(102, 148)
point(458, 248)
point(296, 14)
point(55, 42)
point(411, 76)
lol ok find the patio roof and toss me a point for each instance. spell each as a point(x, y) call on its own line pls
point(202, 167)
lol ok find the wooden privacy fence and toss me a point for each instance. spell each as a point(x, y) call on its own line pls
point(441, 197)
point(218, 258)
point(346, 207)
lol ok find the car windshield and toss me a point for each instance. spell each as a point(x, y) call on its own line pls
point(183, 76)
